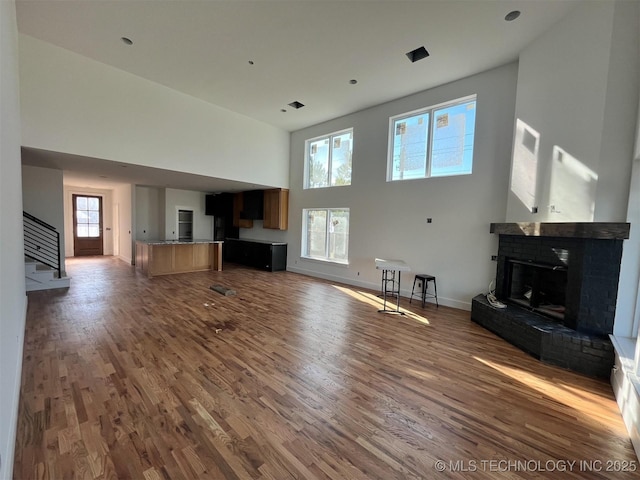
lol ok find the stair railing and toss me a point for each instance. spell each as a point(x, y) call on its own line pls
point(41, 242)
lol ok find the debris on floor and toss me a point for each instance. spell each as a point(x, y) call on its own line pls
point(222, 290)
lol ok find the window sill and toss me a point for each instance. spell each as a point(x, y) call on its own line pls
point(625, 348)
point(326, 261)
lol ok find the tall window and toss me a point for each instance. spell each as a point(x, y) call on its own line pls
point(432, 142)
point(325, 234)
point(328, 160)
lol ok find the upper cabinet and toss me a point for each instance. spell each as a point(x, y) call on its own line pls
point(238, 208)
point(276, 209)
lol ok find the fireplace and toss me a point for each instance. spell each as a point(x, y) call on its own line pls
point(539, 287)
point(560, 284)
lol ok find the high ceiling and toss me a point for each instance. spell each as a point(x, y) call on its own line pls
point(256, 57)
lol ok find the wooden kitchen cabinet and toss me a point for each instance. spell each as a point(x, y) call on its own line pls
point(276, 209)
point(164, 257)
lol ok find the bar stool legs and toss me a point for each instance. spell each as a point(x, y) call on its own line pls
point(425, 279)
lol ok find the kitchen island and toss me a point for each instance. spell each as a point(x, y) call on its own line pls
point(164, 257)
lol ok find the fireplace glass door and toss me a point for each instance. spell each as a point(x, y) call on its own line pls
point(539, 287)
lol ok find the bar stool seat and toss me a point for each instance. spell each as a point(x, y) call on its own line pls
point(425, 279)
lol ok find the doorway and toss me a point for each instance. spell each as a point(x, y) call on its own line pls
point(87, 225)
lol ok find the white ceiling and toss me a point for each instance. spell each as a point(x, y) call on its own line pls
point(302, 50)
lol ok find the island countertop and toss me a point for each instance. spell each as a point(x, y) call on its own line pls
point(164, 257)
point(178, 242)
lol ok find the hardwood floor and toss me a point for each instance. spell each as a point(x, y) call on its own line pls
point(294, 377)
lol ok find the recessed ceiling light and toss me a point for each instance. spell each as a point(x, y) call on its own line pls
point(353, 81)
point(126, 41)
point(296, 105)
point(511, 16)
point(417, 54)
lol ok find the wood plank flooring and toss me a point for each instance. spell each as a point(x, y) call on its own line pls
point(294, 377)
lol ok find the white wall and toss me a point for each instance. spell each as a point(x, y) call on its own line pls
point(122, 222)
point(13, 301)
point(388, 219)
point(259, 233)
point(76, 105)
point(186, 200)
point(577, 92)
point(42, 197)
point(149, 213)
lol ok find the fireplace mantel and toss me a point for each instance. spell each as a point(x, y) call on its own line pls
point(596, 230)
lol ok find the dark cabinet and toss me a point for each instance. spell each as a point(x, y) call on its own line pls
point(221, 206)
point(265, 255)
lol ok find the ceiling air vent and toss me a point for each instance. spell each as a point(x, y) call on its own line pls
point(417, 54)
point(296, 105)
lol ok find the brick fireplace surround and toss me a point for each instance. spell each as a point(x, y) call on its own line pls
point(589, 256)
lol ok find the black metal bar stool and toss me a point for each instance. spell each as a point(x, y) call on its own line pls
point(425, 279)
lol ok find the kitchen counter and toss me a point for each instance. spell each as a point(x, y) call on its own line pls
point(177, 242)
point(164, 257)
point(251, 240)
point(262, 254)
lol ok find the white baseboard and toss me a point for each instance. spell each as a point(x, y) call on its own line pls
point(626, 387)
point(125, 259)
point(447, 302)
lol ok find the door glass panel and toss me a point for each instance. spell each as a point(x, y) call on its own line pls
point(88, 217)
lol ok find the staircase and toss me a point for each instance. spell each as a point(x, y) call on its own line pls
point(42, 277)
point(42, 262)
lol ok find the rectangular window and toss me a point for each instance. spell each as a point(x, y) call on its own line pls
point(432, 142)
point(325, 234)
point(328, 160)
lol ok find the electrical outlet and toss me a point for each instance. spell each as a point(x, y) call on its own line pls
point(494, 257)
point(429, 220)
point(534, 209)
point(358, 273)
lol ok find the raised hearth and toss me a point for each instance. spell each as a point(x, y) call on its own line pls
point(560, 284)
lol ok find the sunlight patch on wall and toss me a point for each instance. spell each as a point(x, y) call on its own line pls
point(524, 167)
point(572, 188)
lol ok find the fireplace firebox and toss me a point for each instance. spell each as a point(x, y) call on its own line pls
point(560, 284)
point(537, 286)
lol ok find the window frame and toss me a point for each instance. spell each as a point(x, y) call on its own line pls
point(307, 146)
point(305, 229)
point(430, 131)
